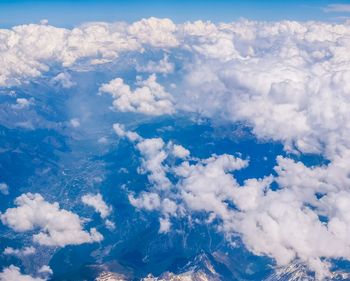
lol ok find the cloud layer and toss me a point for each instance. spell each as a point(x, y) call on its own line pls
point(288, 81)
point(305, 219)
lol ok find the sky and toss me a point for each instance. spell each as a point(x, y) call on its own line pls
point(67, 13)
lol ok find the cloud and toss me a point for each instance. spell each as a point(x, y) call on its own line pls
point(264, 74)
point(110, 225)
point(119, 129)
point(153, 155)
point(22, 103)
point(56, 227)
point(27, 51)
point(197, 191)
point(179, 151)
point(44, 21)
point(210, 41)
point(4, 188)
point(285, 224)
point(154, 152)
point(164, 225)
point(163, 66)
point(146, 200)
point(96, 201)
point(288, 81)
point(155, 32)
point(74, 122)
point(64, 79)
point(19, 252)
point(149, 98)
point(12, 273)
point(337, 8)
point(46, 270)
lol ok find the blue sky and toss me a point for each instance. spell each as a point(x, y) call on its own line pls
point(69, 13)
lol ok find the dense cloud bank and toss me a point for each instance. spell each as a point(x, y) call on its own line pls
point(288, 81)
point(268, 74)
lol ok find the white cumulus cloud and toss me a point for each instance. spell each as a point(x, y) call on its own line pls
point(55, 226)
point(96, 201)
point(148, 98)
point(13, 273)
